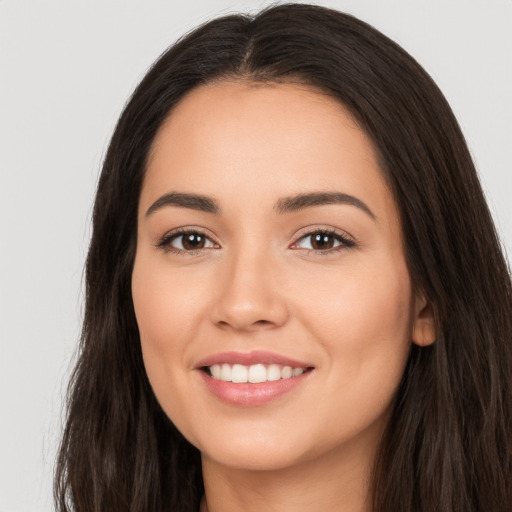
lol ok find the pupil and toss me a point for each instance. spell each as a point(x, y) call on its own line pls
point(193, 241)
point(322, 241)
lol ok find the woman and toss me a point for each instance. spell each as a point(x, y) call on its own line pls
point(296, 299)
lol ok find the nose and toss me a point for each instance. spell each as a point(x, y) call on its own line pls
point(249, 294)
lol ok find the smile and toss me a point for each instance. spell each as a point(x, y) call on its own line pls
point(252, 379)
point(255, 373)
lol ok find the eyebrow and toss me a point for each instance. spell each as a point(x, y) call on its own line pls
point(302, 201)
point(284, 205)
point(192, 201)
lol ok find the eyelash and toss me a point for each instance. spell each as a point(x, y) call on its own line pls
point(165, 242)
point(344, 241)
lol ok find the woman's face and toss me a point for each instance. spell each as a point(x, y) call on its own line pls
point(269, 249)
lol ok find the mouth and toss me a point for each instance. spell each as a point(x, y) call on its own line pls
point(252, 379)
point(254, 373)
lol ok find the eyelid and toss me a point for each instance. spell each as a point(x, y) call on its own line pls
point(346, 239)
point(164, 241)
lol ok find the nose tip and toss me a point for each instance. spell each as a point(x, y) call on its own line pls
point(249, 316)
point(249, 299)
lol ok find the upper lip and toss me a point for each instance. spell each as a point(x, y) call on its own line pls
point(250, 358)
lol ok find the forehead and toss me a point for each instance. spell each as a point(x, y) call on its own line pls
point(244, 113)
point(258, 141)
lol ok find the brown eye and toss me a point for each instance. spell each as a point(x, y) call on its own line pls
point(186, 241)
point(323, 241)
point(193, 241)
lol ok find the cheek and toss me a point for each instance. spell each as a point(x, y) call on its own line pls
point(360, 306)
point(362, 319)
point(162, 319)
point(168, 308)
point(152, 304)
point(167, 303)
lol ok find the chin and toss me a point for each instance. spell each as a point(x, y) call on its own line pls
point(256, 457)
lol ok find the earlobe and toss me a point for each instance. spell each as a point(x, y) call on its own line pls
point(424, 326)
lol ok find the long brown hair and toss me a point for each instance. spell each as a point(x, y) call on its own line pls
point(447, 447)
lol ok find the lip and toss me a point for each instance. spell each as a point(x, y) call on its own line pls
point(249, 394)
point(249, 358)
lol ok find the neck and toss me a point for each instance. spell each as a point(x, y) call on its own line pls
point(334, 482)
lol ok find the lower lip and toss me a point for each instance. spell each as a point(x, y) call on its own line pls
point(248, 394)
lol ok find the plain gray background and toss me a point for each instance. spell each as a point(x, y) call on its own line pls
point(66, 69)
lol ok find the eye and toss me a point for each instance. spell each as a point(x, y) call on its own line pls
point(323, 241)
point(186, 241)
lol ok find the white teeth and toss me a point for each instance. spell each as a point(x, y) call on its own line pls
point(286, 372)
point(216, 371)
point(225, 373)
point(273, 372)
point(254, 374)
point(257, 373)
point(239, 373)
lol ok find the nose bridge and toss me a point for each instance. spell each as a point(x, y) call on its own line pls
point(248, 296)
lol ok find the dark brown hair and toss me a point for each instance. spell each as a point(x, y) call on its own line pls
point(448, 446)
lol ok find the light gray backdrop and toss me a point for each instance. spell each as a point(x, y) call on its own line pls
point(66, 69)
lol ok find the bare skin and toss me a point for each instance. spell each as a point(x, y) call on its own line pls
point(246, 267)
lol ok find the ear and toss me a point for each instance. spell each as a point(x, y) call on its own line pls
point(424, 326)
